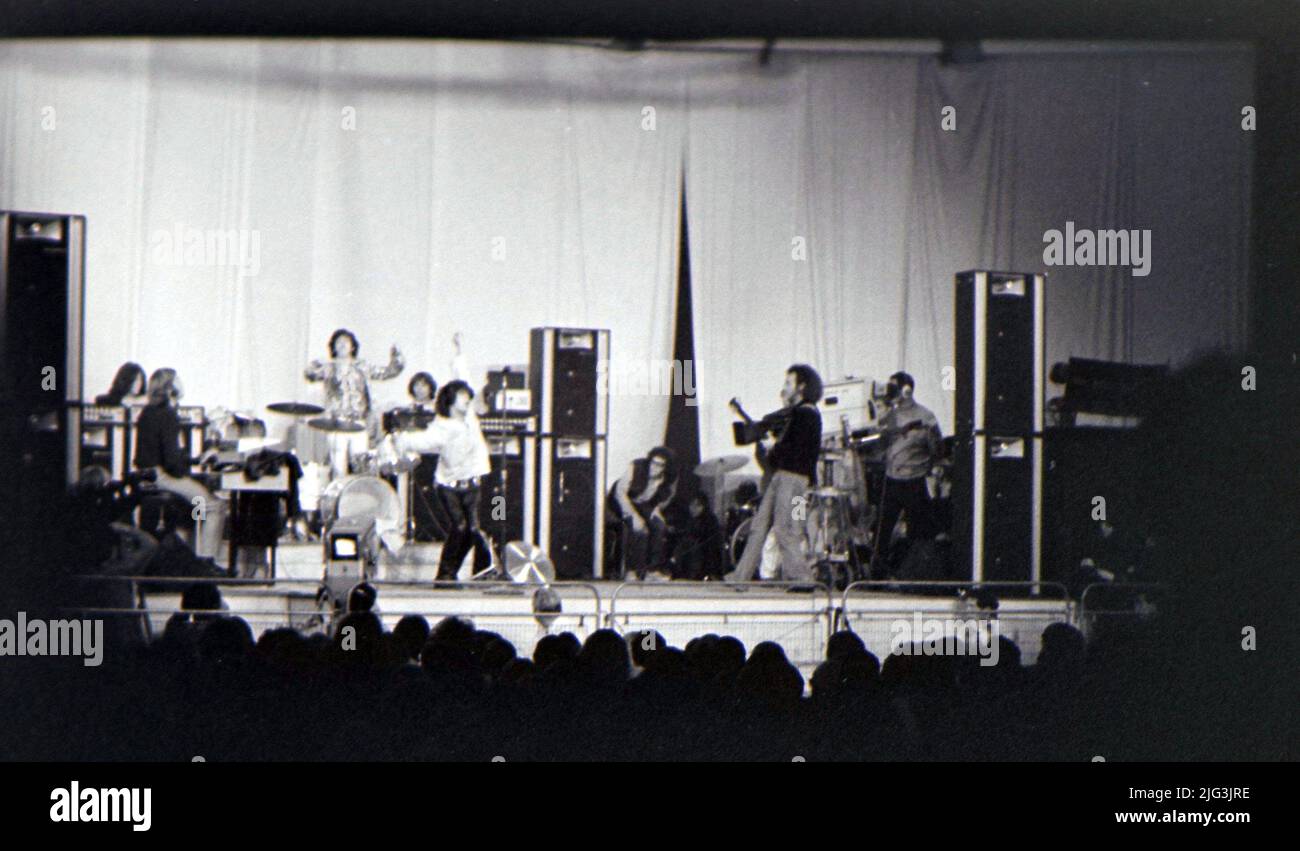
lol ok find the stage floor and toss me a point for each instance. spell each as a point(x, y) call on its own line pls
point(680, 611)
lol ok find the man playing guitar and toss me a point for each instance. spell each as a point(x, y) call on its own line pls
point(794, 435)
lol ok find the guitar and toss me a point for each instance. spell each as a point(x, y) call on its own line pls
point(753, 431)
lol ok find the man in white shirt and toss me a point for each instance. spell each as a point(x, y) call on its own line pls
point(463, 460)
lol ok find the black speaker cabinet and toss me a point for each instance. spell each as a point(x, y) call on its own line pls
point(570, 504)
point(998, 474)
point(505, 503)
point(1080, 464)
point(999, 353)
point(997, 498)
point(565, 367)
point(42, 269)
point(429, 522)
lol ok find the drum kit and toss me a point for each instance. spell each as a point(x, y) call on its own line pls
point(366, 491)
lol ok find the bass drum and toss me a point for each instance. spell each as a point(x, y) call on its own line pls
point(361, 496)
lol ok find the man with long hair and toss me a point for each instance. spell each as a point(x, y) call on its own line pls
point(158, 447)
point(347, 393)
point(792, 460)
point(463, 461)
point(638, 500)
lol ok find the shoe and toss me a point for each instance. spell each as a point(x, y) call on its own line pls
point(801, 589)
point(733, 584)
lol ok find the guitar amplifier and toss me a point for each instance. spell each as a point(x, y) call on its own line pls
point(106, 438)
point(565, 366)
point(506, 508)
point(508, 425)
point(570, 504)
point(512, 400)
point(194, 422)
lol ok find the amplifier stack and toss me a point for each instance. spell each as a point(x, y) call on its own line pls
point(573, 423)
point(998, 468)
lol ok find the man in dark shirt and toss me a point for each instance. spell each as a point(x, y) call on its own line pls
point(158, 441)
point(792, 461)
point(157, 447)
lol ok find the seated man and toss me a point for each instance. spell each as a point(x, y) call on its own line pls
point(698, 550)
point(638, 501)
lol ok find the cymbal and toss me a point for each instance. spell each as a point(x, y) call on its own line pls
point(295, 409)
point(336, 424)
point(721, 465)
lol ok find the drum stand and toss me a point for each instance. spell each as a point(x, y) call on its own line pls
point(496, 548)
point(833, 546)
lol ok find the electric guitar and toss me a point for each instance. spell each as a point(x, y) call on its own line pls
point(753, 431)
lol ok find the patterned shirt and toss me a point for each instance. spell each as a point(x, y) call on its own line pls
point(347, 384)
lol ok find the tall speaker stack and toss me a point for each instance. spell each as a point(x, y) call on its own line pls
point(42, 268)
point(572, 425)
point(998, 469)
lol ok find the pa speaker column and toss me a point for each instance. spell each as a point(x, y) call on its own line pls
point(42, 266)
point(998, 475)
point(572, 407)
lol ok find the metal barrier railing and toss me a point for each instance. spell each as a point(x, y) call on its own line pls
point(1140, 608)
point(302, 607)
point(801, 628)
point(1021, 618)
point(956, 586)
point(522, 629)
point(801, 623)
point(487, 585)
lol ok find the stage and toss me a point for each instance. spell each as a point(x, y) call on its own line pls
point(800, 621)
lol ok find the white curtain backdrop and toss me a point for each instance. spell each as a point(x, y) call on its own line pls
point(410, 189)
point(480, 187)
point(849, 155)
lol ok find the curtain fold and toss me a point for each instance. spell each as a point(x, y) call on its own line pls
point(408, 189)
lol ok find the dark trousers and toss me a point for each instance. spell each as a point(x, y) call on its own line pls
point(644, 551)
point(901, 495)
point(461, 507)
